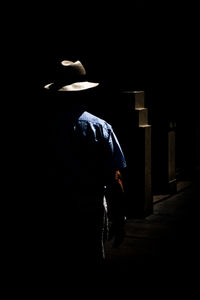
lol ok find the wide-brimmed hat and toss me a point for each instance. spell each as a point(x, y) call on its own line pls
point(70, 77)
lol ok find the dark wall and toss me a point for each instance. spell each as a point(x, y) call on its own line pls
point(110, 40)
point(127, 47)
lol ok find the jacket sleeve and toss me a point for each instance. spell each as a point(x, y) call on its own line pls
point(117, 158)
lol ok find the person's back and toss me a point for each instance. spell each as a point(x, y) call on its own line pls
point(83, 155)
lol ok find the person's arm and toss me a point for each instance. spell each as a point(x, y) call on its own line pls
point(116, 209)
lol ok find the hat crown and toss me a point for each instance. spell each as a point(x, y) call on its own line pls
point(68, 71)
point(77, 66)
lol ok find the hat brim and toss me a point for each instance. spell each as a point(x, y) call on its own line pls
point(73, 87)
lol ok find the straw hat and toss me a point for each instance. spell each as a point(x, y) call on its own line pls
point(70, 77)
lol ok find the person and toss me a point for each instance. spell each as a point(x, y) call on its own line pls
point(84, 200)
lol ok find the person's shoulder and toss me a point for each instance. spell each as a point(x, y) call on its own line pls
point(89, 117)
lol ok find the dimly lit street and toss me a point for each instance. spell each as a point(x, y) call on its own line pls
point(165, 240)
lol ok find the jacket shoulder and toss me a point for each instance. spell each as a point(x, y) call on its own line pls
point(90, 118)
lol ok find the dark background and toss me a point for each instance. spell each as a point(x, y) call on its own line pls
point(136, 46)
point(131, 45)
point(124, 46)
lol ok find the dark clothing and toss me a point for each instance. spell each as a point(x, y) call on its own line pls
point(83, 154)
point(86, 150)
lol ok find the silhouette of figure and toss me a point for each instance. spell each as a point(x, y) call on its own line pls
point(84, 202)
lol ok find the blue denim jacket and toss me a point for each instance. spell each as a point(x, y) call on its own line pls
point(83, 155)
point(103, 132)
point(85, 152)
